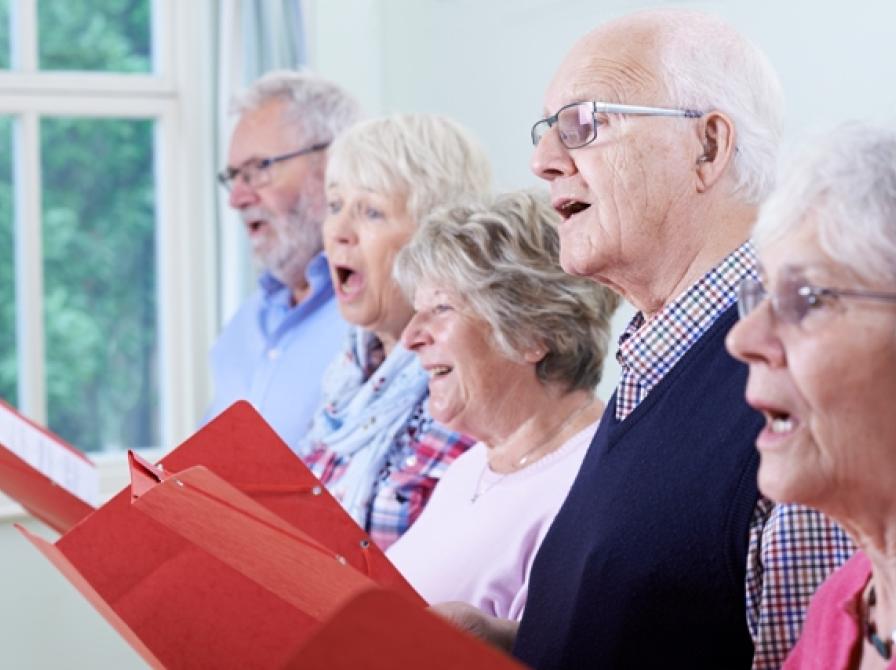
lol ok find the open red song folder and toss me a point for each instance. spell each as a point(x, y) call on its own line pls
point(379, 630)
point(292, 556)
point(55, 482)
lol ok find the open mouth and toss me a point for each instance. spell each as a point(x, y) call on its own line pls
point(255, 226)
point(569, 208)
point(439, 371)
point(779, 423)
point(347, 279)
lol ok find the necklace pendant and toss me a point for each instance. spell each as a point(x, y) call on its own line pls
point(881, 646)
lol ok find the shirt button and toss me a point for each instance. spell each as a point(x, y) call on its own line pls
point(273, 354)
point(410, 461)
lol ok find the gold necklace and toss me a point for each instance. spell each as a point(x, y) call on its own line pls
point(523, 460)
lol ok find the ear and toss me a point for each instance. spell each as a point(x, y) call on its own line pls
point(534, 354)
point(718, 139)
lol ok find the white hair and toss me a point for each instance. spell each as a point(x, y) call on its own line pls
point(428, 159)
point(321, 108)
point(844, 185)
point(707, 65)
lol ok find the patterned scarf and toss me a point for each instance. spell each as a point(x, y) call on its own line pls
point(362, 414)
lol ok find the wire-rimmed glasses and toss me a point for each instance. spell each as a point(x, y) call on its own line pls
point(794, 297)
point(577, 122)
point(257, 173)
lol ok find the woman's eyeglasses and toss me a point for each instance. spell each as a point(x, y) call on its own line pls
point(794, 297)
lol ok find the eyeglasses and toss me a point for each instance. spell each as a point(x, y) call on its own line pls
point(257, 173)
point(577, 123)
point(794, 297)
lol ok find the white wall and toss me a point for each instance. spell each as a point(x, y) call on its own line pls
point(486, 63)
point(45, 624)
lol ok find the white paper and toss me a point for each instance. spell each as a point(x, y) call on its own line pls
point(51, 457)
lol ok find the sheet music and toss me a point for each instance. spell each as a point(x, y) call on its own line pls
point(50, 457)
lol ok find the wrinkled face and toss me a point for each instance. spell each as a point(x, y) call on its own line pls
point(363, 232)
point(470, 377)
point(284, 216)
point(825, 385)
point(625, 198)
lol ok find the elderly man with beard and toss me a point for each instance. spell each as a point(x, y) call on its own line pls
point(274, 350)
point(659, 139)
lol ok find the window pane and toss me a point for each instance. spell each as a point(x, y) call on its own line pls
point(4, 35)
point(7, 269)
point(99, 281)
point(94, 35)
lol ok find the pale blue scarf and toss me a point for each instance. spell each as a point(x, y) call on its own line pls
point(359, 420)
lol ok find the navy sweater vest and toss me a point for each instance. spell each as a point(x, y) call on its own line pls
point(644, 565)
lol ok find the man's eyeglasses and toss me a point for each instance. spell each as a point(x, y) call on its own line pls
point(577, 123)
point(794, 297)
point(257, 173)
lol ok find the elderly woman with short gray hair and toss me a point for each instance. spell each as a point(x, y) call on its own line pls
point(818, 330)
point(514, 348)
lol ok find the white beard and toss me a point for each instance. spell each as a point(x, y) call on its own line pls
point(289, 243)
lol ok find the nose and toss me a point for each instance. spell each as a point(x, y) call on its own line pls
point(754, 339)
point(415, 335)
point(339, 229)
point(551, 159)
point(241, 194)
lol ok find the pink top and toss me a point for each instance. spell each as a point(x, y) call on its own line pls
point(476, 539)
point(832, 636)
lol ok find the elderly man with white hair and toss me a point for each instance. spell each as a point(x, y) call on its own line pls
point(659, 140)
point(274, 350)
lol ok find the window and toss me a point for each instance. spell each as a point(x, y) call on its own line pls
point(106, 238)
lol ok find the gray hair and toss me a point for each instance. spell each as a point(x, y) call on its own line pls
point(429, 159)
point(707, 65)
point(321, 108)
point(502, 258)
point(846, 183)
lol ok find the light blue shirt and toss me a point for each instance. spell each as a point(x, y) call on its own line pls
point(274, 354)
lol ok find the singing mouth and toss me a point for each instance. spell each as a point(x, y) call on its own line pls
point(569, 208)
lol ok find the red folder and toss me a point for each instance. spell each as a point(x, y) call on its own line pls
point(379, 630)
point(181, 607)
point(44, 498)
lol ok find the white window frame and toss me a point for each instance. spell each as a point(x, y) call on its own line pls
point(178, 96)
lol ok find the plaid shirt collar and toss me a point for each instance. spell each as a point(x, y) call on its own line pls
point(648, 349)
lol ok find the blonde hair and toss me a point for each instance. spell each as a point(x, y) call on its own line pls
point(428, 159)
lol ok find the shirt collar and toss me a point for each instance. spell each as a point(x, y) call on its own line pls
point(317, 273)
point(648, 348)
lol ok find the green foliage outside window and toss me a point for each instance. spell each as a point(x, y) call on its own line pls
point(94, 35)
point(7, 269)
point(98, 239)
point(4, 34)
point(99, 281)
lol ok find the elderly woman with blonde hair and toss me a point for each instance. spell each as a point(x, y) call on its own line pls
point(372, 442)
point(818, 330)
point(514, 348)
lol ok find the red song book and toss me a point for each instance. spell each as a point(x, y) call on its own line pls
point(270, 553)
point(55, 482)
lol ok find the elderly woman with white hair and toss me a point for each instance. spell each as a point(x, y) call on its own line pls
point(514, 348)
point(372, 442)
point(818, 331)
